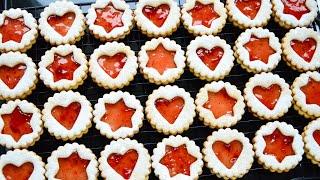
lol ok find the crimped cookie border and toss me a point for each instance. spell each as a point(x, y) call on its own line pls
point(311, 147)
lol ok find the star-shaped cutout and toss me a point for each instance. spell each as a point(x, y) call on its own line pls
point(278, 145)
point(13, 29)
point(161, 59)
point(295, 8)
point(312, 92)
point(118, 115)
point(63, 67)
point(177, 160)
point(259, 49)
point(17, 123)
point(109, 17)
point(203, 14)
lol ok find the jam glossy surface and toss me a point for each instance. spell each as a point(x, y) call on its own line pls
point(112, 65)
point(220, 103)
point(177, 160)
point(296, 8)
point(203, 14)
point(161, 59)
point(118, 115)
point(13, 29)
point(304, 49)
point(17, 123)
point(12, 75)
point(170, 109)
point(268, 96)
point(63, 67)
point(23, 172)
point(250, 8)
point(62, 24)
point(67, 116)
point(316, 136)
point(157, 15)
point(259, 49)
point(124, 164)
point(210, 58)
point(109, 18)
point(312, 92)
point(228, 154)
point(278, 145)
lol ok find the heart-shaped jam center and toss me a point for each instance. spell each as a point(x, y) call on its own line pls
point(177, 160)
point(304, 49)
point(312, 92)
point(268, 96)
point(158, 15)
point(220, 103)
point(62, 24)
point(13, 172)
point(67, 116)
point(210, 58)
point(12, 75)
point(316, 136)
point(161, 59)
point(227, 153)
point(118, 115)
point(278, 145)
point(72, 167)
point(170, 109)
point(112, 65)
point(296, 8)
point(109, 17)
point(259, 49)
point(250, 8)
point(203, 14)
point(13, 29)
point(124, 164)
point(17, 123)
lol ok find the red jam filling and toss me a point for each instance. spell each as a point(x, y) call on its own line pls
point(17, 123)
point(109, 18)
point(312, 92)
point(161, 59)
point(203, 14)
point(118, 115)
point(62, 24)
point(157, 15)
point(210, 58)
point(170, 109)
point(124, 164)
point(13, 29)
point(278, 145)
point(250, 8)
point(228, 154)
point(316, 136)
point(23, 172)
point(112, 65)
point(67, 116)
point(63, 67)
point(268, 96)
point(259, 49)
point(296, 8)
point(72, 167)
point(304, 49)
point(12, 75)
point(220, 103)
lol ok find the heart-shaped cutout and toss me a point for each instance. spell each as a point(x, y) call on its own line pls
point(67, 116)
point(268, 96)
point(157, 15)
point(62, 24)
point(316, 136)
point(170, 109)
point(112, 65)
point(312, 92)
point(304, 49)
point(161, 59)
point(14, 172)
point(229, 153)
point(13, 29)
point(124, 164)
point(12, 75)
point(295, 8)
point(250, 8)
point(212, 57)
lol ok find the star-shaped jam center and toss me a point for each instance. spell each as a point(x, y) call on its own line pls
point(278, 145)
point(109, 17)
point(13, 172)
point(118, 115)
point(296, 8)
point(72, 167)
point(203, 14)
point(13, 29)
point(67, 116)
point(161, 59)
point(157, 15)
point(124, 164)
point(259, 49)
point(63, 67)
point(177, 160)
point(220, 103)
point(12, 75)
point(17, 123)
point(268, 96)
point(312, 92)
point(227, 153)
point(113, 65)
point(250, 8)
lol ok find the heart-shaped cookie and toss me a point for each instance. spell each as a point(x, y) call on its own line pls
point(67, 116)
point(305, 49)
point(113, 65)
point(24, 171)
point(268, 96)
point(212, 57)
point(158, 15)
point(62, 24)
point(124, 164)
point(227, 153)
point(170, 109)
point(12, 75)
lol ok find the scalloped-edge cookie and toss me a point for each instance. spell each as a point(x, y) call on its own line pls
point(311, 138)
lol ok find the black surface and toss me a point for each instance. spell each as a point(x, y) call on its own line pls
point(141, 89)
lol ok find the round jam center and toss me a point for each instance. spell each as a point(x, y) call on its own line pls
point(161, 59)
point(268, 96)
point(316, 136)
point(112, 65)
point(259, 49)
point(23, 172)
point(170, 109)
point(109, 18)
point(157, 15)
point(62, 24)
point(118, 115)
point(13, 29)
point(124, 164)
point(228, 154)
point(250, 8)
point(304, 49)
point(296, 8)
point(210, 58)
point(12, 75)
point(312, 92)
point(203, 14)
point(67, 116)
